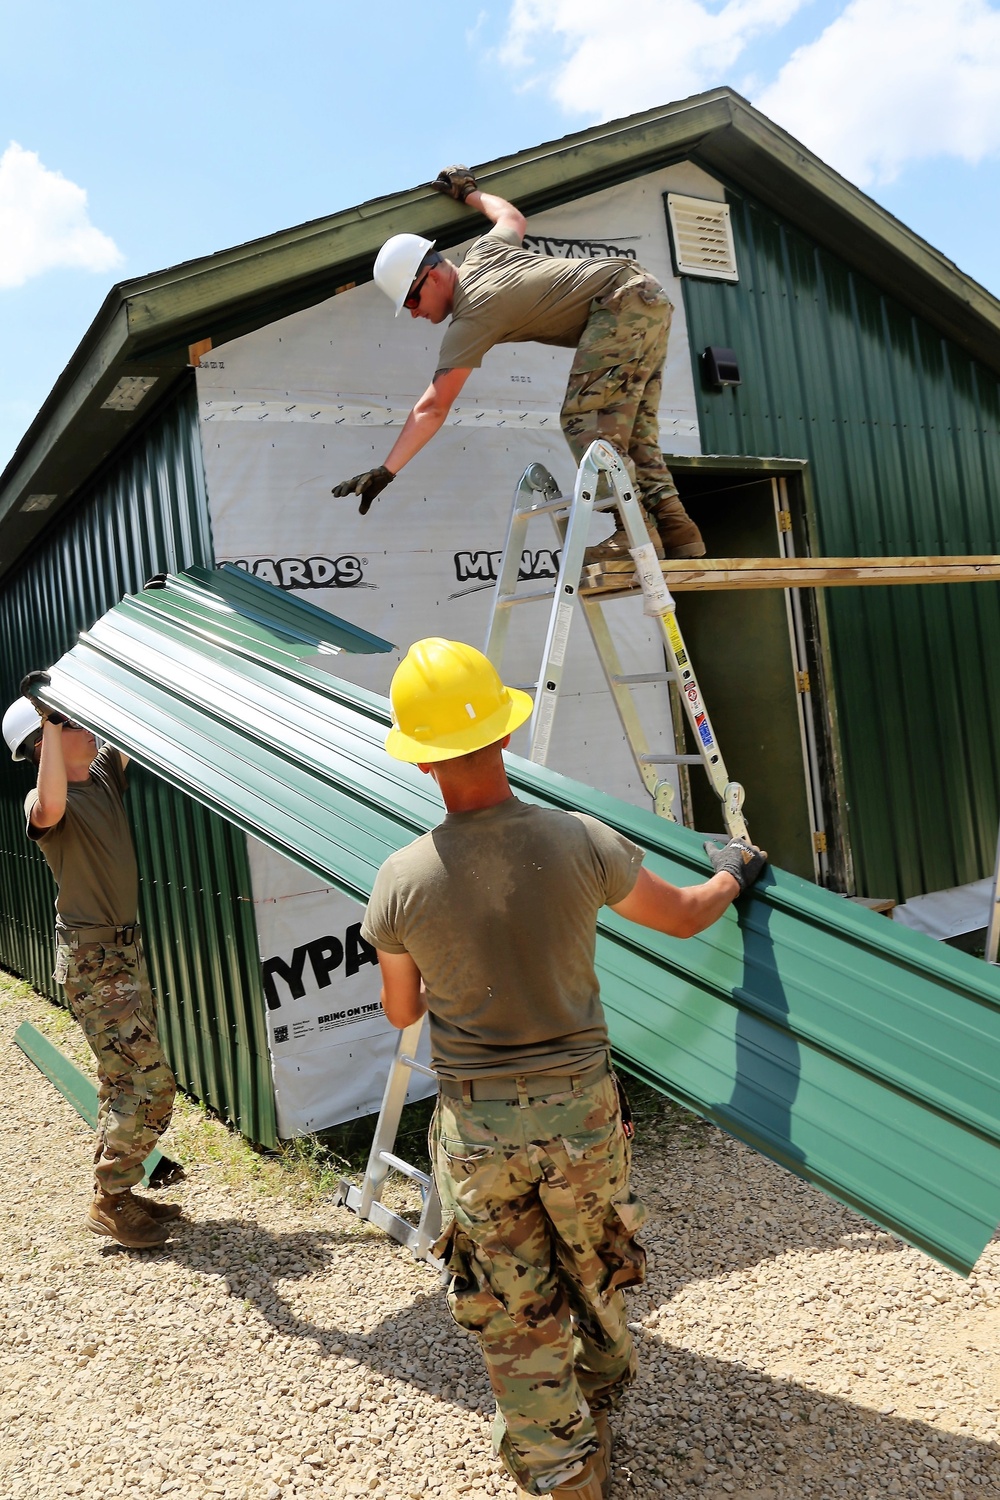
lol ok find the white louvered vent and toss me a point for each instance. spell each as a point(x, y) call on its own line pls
point(703, 238)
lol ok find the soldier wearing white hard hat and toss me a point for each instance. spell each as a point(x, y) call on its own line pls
point(612, 312)
point(75, 813)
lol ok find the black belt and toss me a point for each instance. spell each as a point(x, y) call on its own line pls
point(115, 937)
point(522, 1088)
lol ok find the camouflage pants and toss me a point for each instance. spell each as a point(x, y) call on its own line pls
point(539, 1241)
point(109, 994)
point(616, 381)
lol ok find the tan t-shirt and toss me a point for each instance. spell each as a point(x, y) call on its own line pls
point(90, 850)
point(506, 295)
point(498, 910)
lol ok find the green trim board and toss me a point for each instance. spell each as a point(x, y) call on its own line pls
point(81, 1093)
point(860, 1055)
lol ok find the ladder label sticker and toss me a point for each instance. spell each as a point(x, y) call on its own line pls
point(705, 733)
point(560, 636)
point(675, 637)
point(543, 733)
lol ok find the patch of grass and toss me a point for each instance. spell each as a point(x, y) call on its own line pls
point(197, 1136)
point(350, 1143)
point(310, 1167)
point(315, 1164)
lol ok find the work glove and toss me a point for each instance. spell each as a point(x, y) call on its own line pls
point(739, 858)
point(35, 680)
point(457, 182)
point(368, 485)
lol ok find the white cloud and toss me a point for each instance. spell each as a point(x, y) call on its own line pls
point(894, 81)
point(658, 53)
point(44, 223)
point(887, 83)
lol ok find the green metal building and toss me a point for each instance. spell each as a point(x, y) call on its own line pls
point(866, 421)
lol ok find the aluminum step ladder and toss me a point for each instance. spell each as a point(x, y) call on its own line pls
point(366, 1200)
point(538, 494)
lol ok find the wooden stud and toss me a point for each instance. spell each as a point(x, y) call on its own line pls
point(795, 572)
point(195, 351)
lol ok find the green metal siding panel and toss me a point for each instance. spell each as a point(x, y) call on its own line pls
point(76, 1087)
point(901, 432)
point(147, 514)
point(858, 1054)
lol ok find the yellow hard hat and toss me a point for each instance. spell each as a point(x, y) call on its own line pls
point(448, 700)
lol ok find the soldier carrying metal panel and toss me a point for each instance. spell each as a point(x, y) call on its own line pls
point(76, 815)
point(488, 923)
point(612, 312)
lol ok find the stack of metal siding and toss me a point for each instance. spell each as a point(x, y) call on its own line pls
point(860, 1055)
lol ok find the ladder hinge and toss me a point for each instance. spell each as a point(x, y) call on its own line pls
point(784, 520)
point(802, 682)
point(819, 842)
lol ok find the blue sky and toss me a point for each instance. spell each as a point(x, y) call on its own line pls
point(133, 136)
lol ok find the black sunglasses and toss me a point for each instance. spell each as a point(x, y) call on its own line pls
point(412, 298)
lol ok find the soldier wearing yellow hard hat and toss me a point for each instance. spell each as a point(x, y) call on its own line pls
point(488, 923)
point(447, 700)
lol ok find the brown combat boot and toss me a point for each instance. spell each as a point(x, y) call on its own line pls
point(119, 1216)
point(602, 1457)
point(678, 533)
point(586, 1485)
point(615, 548)
point(154, 1209)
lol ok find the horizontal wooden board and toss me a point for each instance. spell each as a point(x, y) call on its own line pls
point(796, 572)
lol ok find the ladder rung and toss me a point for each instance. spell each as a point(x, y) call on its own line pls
point(635, 677)
point(544, 507)
point(506, 600)
point(671, 760)
point(404, 1168)
point(561, 502)
point(418, 1067)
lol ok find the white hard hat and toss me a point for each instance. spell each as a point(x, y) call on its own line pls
point(19, 722)
point(397, 263)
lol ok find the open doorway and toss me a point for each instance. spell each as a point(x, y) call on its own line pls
point(757, 656)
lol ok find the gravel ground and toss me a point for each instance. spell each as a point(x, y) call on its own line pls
point(277, 1348)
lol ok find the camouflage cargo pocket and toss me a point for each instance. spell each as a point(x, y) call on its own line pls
point(82, 968)
point(623, 1256)
point(588, 1147)
point(104, 993)
point(471, 1299)
point(465, 1168)
point(464, 1160)
point(644, 287)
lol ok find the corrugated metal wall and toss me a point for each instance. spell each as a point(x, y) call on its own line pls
point(902, 433)
point(148, 514)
